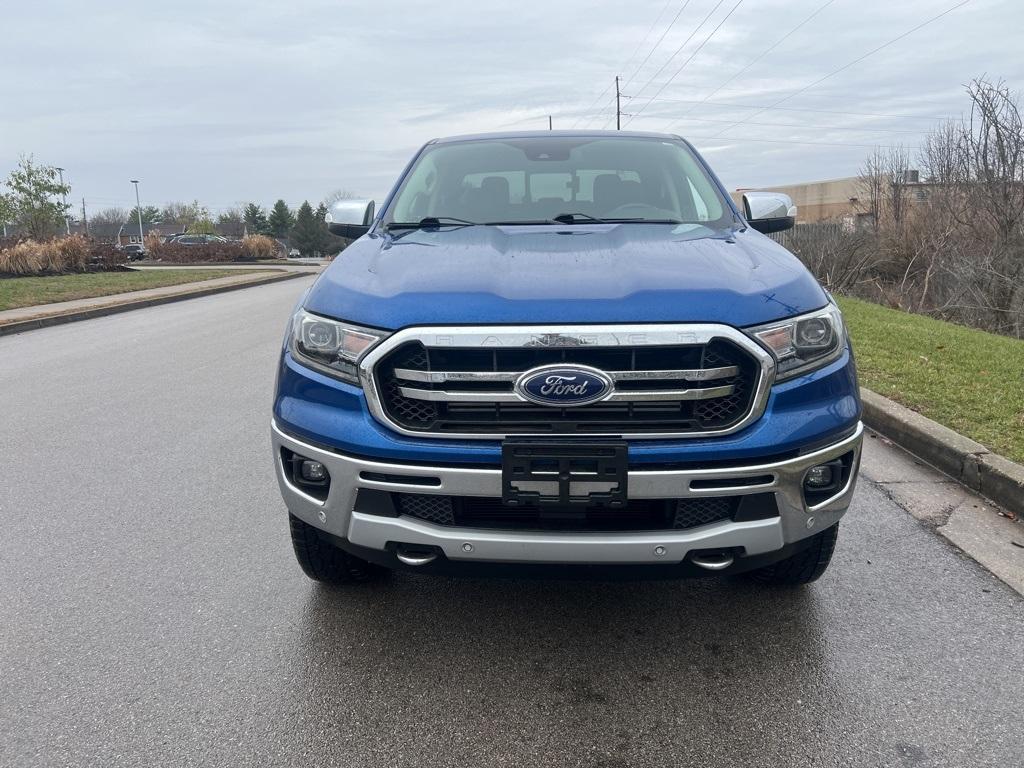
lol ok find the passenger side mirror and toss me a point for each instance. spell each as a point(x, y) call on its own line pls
point(350, 218)
point(769, 211)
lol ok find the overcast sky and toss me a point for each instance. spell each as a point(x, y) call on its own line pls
point(230, 100)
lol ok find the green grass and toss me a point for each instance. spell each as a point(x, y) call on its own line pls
point(30, 291)
point(968, 380)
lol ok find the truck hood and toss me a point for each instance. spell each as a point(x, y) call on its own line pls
point(604, 273)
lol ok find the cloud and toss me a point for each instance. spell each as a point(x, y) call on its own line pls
point(230, 101)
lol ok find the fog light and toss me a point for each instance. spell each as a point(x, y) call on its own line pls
point(819, 476)
point(313, 471)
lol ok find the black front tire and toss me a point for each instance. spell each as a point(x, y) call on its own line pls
point(805, 566)
point(322, 560)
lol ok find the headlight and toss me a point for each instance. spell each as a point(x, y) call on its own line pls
point(803, 343)
point(330, 346)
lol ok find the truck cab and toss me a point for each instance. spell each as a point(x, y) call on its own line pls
point(565, 354)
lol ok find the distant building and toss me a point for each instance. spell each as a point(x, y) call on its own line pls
point(836, 198)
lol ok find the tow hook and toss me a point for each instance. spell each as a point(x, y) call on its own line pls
point(412, 556)
point(713, 561)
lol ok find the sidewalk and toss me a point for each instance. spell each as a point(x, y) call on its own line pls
point(42, 315)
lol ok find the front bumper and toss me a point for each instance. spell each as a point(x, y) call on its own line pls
point(339, 515)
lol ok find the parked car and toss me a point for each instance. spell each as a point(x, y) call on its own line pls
point(195, 239)
point(565, 352)
point(133, 251)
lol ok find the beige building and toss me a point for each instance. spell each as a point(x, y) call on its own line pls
point(839, 199)
point(819, 200)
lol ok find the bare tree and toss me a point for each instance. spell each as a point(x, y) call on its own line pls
point(952, 245)
point(339, 194)
point(883, 184)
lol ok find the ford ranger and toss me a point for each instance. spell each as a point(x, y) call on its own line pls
point(565, 353)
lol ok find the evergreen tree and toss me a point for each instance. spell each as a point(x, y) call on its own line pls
point(281, 219)
point(256, 220)
point(150, 215)
point(307, 234)
point(330, 244)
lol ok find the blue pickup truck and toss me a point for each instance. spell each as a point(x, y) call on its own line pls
point(569, 354)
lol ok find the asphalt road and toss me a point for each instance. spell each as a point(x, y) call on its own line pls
point(152, 613)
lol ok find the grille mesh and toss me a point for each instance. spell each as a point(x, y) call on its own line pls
point(693, 512)
point(408, 411)
point(652, 514)
point(432, 508)
point(722, 410)
point(610, 417)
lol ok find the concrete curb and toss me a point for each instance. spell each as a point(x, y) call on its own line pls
point(963, 459)
point(113, 309)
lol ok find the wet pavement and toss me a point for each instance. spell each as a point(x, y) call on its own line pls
point(152, 612)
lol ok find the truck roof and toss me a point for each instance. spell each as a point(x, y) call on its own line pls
point(548, 134)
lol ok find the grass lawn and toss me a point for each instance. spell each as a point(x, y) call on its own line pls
point(30, 291)
point(968, 380)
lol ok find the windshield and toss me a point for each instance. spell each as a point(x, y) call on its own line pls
point(535, 179)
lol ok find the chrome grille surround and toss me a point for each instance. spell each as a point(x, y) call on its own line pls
point(574, 337)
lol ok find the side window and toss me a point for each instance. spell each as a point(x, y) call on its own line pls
point(416, 200)
point(699, 205)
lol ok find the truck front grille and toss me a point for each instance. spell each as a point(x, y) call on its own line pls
point(638, 515)
point(677, 389)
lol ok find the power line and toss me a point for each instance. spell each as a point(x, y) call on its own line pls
point(604, 107)
point(682, 118)
point(639, 45)
point(692, 55)
point(628, 61)
point(849, 64)
point(734, 139)
point(655, 46)
point(674, 53)
point(761, 55)
point(801, 109)
point(591, 106)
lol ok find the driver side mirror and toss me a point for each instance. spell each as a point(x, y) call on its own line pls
point(350, 218)
point(769, 211)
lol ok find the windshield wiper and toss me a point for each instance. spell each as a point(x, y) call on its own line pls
point(570, 218)
point(636, 220)
point(432, 221)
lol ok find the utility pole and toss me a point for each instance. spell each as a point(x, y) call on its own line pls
point(85, 219)
point(619, 107)
point(549, 123)
point(138, 210)
point(64, 199)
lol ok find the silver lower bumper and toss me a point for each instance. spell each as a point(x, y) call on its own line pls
point(338, 515)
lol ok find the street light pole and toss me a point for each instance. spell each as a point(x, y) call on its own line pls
point(64, 199)
point(138, 210)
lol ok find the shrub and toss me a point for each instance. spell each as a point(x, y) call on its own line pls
point(176, 253)
point(21, 258)
point(49, 257)
point(71, 254)
point(104, 256)
point(259, 247)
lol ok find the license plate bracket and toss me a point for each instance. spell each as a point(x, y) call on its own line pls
point(564, 474)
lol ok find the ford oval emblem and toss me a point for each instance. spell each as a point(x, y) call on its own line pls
point(564, 385)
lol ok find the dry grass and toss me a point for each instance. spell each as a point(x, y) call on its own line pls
point(259, 247)
point(52, 257)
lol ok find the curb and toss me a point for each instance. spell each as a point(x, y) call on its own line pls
point(963, 459)
point(113, 309)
